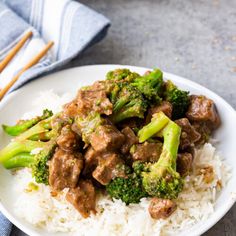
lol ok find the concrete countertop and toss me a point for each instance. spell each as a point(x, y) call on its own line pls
point(193, 39)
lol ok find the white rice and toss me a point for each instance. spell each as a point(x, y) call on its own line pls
point(50, 100)
point(55, 214)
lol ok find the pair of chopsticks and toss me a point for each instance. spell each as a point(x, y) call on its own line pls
point(31, 63)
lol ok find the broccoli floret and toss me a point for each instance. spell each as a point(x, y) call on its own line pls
point(178, 98)
point(24, 125)
point(88, 124)
point(128, 102)
point(150, 85)
point(38, 162)
point(140, 167)
point(163, 180)
point(18, 153)
point(122, 74)
point(40, 169)
point(129, 189)
point(113, 93)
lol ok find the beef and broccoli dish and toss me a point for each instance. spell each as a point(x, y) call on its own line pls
point(129, 136)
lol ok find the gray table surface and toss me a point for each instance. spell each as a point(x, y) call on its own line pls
point(194, 39)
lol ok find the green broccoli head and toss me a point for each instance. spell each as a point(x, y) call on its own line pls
point(162, 180)
point(150, 85)
point(139, 167)
point(129, 189)
point(128, 102)
point(122, 75)
point(40, 168)
point(178, 98)
point(88, 124)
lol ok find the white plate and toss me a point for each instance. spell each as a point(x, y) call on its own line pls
point(70, 80)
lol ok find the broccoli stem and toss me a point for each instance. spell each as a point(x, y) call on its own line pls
point(18, 129)
point(20, 160)
point(46, 136)
point(119, 104)
point(41, 127)
point(157, 123)
point(162, 179)
point(15, 147)
point(24, 125)
point(171, 134)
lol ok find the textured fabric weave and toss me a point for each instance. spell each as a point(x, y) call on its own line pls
point(71, 25)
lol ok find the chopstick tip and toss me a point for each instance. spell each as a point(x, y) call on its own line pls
point(51, 43)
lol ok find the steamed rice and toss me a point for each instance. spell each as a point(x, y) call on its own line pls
point(55, 214)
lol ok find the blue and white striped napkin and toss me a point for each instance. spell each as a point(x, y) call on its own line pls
point(72, 26)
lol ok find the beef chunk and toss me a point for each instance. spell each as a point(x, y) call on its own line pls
point(91, 158)
point(204, 129)
point(161, 208)
point(133, 123)
point(165, 107)
point(189, 135)
point(68, 140)
point(106, 138)
point(103, 165)
point(64, 169)
point(99, 85)
point(83, 198)
point(184, 163)
point(76, 129)
point(147, 72)
point(103, 85)
point(203, 109)
point(146, 152)
point(94, 100)
point(110, 166)
point(70, 110)
point(130, 139)
point(190, 150)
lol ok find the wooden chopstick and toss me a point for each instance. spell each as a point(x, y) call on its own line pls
point(31, 63)
point(14, 50)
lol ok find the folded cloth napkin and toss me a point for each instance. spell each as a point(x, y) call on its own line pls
point(72, 26)
point(5, 226)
